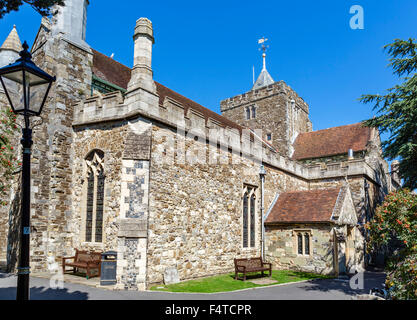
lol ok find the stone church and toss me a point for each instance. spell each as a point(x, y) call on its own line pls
point(121, 162)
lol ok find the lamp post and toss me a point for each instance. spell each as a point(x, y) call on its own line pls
point(262, 174)
point(26, 87)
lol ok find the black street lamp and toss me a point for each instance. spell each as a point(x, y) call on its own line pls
point(26, 87)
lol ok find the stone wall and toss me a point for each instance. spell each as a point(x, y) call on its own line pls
point(279, 112)
point(281, 248)
point(195, 217)
point(126, 148)
point(52, 176)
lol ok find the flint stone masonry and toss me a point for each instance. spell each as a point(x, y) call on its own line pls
point(135, 186)
point(131, 266)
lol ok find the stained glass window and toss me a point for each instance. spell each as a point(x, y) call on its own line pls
point(252, 221)
point(245, 220)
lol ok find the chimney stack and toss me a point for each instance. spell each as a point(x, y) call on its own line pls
point(71, 21)
point(142, 74)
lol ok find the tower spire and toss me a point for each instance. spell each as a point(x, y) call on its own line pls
point(10, 49)
point(264, 78)
point(12, 42)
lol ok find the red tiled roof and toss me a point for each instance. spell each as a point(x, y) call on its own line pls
point(304, 206)
point(330, 142)
point(116, 73)
point(110, 70)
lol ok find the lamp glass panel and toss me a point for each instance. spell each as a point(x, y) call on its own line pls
point(36, 96)
point(15, 91)
point(34, 80)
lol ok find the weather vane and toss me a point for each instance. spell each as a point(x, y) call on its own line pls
point(262, 42)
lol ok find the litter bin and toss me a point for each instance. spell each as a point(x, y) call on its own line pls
point(108, 268)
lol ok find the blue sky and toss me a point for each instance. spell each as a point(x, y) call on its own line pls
point(206, 50)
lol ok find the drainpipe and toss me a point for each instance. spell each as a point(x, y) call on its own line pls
point(262, 174)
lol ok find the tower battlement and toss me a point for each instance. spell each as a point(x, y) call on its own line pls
point(252, 96)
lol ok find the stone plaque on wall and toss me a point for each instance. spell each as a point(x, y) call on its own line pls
point(171, 276)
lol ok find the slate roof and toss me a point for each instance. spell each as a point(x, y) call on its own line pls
point(304, 206)
point(263, 80)
point(330, 142)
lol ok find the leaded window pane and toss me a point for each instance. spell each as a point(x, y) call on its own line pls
point(300, 244)
point(307, 244)
point(245, 220)
point(247, 113)
point(252, 221)
point(90, 205)
point(253, 112)
point(99, 207)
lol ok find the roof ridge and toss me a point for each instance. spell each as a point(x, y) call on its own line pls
point(331, 128)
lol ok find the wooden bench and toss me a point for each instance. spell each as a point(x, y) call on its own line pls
point(84, 260)
point(251, 265)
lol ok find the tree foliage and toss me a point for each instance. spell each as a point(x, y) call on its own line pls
point(8, 160)
point(41, 6)
point(398, 110)
point(395, 226)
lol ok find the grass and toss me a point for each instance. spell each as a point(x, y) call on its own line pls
point(227, 282)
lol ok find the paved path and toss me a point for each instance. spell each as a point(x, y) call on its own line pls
point(329, 289)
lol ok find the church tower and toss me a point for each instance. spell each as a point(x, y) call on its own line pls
point(272, 107)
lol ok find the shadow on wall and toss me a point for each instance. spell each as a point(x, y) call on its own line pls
point(42, 293)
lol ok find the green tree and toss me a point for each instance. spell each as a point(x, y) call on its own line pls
point(8, 160)
point(395, 226)
point(41, 6)
point(397, 110)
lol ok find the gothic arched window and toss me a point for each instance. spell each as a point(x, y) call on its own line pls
point(252, 220)
point(247, 113)
point(249, 217)
point(245, 220)
point(95, 197)
point(307, 244)
point(300, 243)
point(253, 112)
